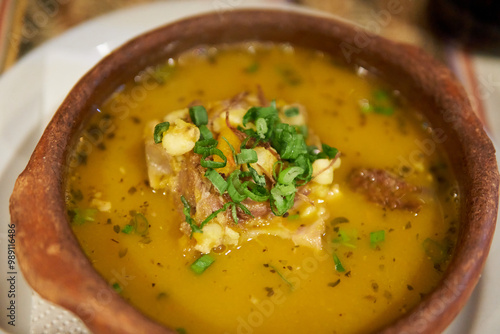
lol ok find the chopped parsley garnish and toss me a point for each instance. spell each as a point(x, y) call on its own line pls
point(338, 264)
point(202, 264)
point(346, 238)
point(376, 238)
point(282, 277)
point(127, 229)
point(380, 103)
point(187, 213)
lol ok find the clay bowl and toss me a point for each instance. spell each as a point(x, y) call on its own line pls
point(49, 254)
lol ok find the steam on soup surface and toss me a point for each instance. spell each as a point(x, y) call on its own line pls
point(326, 241)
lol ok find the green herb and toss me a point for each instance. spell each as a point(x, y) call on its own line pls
point(289, 75)
point(255, 192)
point(189, 220)
point(198, 115)
point(282, 198)
point(117, 287)
point(282, 277)
point(217, 180)
point(160, 129)
point(259, 179)
point(235, 188)
point(261, 126)
point(303, 130)
point(213, 164)
point(200, 265)
point(288, 175)
point(331, 152)
point(181, 330)
point(381, 103)
point(215, 213)
point(231, 147)
point(205, 145)
point(338, 264)
point(205, 133)
point(376, 238)
point(81, 216)
point(346, 238)
point(253, 67)
point(292, 112)
point(246, 156)
point(127, 229)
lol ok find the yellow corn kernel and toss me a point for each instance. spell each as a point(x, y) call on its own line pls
point(180, 137)
point(265, 162)
point(323, 170)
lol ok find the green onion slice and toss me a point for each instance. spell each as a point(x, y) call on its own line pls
point(198, 115)
point(235, 188)
point(288, 175)
point(205, 132)
point(160, 129)
point(292, 112)
point(213, 164)
point(261, 126)
point(255, 192)
point(202, 264)
point(203, 146)
point(246, 156)
point(217, 180)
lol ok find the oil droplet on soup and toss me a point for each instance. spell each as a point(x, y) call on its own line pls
point(382, 248)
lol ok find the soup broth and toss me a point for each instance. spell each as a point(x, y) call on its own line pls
point(378, 258)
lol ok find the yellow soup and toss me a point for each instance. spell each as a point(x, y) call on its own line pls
point(389, 217)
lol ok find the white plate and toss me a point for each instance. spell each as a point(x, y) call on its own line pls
point(32, 90)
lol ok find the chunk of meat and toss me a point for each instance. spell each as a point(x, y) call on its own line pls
point(387, 190)
point(198, 190)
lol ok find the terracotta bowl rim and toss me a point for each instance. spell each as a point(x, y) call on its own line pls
point(53, 262)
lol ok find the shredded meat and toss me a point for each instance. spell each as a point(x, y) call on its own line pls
point(381, 187)
point(198, 190)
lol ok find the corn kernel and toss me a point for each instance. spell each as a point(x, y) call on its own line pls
point(180, 138)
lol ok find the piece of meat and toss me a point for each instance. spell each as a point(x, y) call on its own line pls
point(387, 190)
point(198, 190)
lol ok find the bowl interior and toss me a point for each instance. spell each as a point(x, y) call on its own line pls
point(51, 258)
